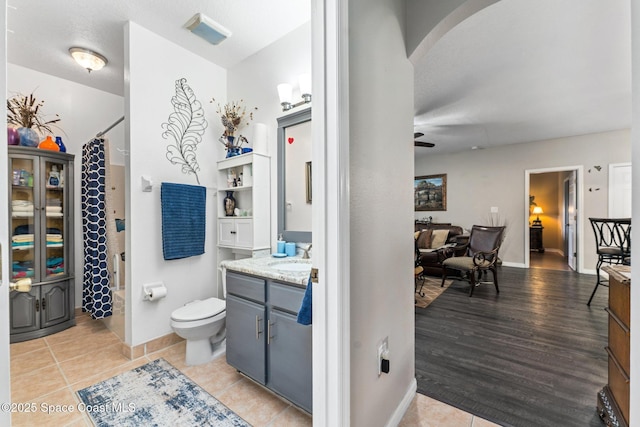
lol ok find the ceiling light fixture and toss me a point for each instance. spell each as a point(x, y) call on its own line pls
point(207, 28)
point(88, 59)
point(285, 92)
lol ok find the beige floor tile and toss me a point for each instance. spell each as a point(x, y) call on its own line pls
point(35, 383)
point(93, 363)
point(93, 379)
point(27, 346)
point(82, 318)
point(252, 402)
point(83, 422)
point(292, 417)
point(427, 412)
point(89, 353)
point(79, 330)
point(54, 417)
point(84, 344)
point(215, 376)
point(174, 355)
point(479, 422)
point(27, 362)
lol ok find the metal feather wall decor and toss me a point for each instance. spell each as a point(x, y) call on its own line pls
point(184, 129)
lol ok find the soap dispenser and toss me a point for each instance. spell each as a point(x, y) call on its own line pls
point(281, 244)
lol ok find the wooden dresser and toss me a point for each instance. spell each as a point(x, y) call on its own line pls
point(613, 399)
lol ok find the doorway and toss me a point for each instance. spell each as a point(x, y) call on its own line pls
point(553, 237)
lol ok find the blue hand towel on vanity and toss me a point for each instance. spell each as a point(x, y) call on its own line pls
point(183, 220)
point(304, 314)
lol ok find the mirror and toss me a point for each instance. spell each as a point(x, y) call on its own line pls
point(294, 176)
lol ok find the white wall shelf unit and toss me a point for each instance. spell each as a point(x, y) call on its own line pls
point(240, 236)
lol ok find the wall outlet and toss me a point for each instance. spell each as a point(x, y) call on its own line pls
point(383, 349)
point(494, 209)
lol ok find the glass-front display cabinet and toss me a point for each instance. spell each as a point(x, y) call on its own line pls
point(41, 229)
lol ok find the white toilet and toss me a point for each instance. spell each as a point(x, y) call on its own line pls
point(202, 324)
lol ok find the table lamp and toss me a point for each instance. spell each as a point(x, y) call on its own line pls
point(537, 211)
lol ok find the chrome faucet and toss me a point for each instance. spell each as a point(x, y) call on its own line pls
point(305, 255)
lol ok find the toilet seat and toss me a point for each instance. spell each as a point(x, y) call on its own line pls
point(199, 310)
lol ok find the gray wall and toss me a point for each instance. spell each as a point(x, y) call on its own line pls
point(480, 179)
point(381, 123)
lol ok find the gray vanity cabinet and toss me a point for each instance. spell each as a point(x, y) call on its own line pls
point(245, 342)
point(290, 367)
point(264, 340)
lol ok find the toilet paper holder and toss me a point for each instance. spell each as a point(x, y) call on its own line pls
point(153, 291)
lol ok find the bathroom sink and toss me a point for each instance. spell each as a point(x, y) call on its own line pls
point(292, 266)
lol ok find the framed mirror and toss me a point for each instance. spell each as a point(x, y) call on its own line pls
point(294, 176)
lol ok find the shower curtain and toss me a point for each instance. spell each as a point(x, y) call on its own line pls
point(98, 224)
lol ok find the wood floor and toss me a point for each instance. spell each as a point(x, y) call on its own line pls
point(531, 356)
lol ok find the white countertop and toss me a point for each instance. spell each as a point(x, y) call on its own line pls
point(264, 266)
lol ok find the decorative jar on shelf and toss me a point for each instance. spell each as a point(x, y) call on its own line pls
point(13, 138)
point(28, 137)
point(60, 144)
point(232, 150)
point(229, 204)
point(48, 144)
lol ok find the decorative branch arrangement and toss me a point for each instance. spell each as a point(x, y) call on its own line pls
point(185, 128)
point(24, 111)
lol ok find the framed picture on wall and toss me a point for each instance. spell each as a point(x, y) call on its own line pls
point(430, 192)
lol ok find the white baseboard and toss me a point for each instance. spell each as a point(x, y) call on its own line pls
point(513, 264)
point(397, 415)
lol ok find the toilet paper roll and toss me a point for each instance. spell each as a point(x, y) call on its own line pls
point(259, 140)
point(157, 293)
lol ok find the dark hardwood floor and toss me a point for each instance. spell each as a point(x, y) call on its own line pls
point(532, 355)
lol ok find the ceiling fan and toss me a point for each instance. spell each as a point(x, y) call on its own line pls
point(420, 143)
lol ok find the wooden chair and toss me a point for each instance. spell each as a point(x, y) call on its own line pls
point(613, 244)
point(481, 256)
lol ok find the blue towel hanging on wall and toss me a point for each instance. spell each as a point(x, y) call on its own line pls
point(183, 220)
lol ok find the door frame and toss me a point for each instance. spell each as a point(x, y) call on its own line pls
point(580, 211)
point(330, 212)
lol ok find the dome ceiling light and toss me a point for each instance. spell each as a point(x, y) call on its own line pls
point(88, 59)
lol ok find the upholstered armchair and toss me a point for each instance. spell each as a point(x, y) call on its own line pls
point(481, 256)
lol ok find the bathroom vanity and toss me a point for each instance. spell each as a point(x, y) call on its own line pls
point(264, 340)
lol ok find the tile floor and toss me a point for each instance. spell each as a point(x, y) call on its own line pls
point(50, 370)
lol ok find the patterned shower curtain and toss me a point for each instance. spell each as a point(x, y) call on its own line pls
point(96, 293)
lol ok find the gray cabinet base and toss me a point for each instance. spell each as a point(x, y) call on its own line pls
point(26, 336)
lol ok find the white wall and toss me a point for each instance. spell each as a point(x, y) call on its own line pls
point(381, 200)
point(480, 179)
point(83, 112)
point(634, 411)
point(149, 87)
point(255, 80)
point(5, 384)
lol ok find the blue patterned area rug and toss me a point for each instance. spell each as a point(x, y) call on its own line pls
point(155, 394)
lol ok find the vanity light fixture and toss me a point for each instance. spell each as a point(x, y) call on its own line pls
point(285, 92)
point(88, 59)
